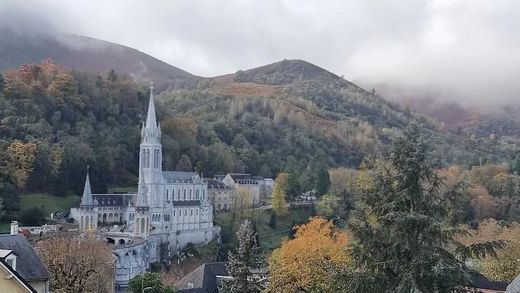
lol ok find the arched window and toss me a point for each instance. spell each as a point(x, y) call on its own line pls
point(156, 158)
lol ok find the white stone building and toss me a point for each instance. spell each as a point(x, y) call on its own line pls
point(170, 210)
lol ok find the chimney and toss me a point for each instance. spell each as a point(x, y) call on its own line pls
point(14, 228)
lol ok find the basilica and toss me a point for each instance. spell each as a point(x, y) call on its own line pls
point(170, 210)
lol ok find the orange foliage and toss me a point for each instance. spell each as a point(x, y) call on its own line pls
point(307, 262)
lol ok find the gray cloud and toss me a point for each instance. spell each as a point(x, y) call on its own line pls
point(468, 49)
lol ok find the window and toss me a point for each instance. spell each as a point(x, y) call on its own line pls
point(174, 213)
point(184, 191)
point(156, 158)
point(185, 212)
point(166, 217)
point(167, 198)
point(191, 212)
point(197, 194)
point(190, 195)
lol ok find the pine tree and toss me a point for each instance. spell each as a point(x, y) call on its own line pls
point(293, 186)
point(241, 263)
point(322, 184)
point(2, 83)
point(272, 221)
point(403, 243)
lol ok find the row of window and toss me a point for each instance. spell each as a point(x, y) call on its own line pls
point(183, 195)
point(166, 217)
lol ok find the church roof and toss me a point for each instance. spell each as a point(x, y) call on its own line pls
point(203, 279)
point(242, 178)
point(185, 203)
point(28, 264)
point(179, 176)
point(110, 200)
point(215, 184)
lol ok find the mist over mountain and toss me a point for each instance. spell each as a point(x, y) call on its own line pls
point(88, 54)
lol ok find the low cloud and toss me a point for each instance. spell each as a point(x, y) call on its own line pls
point(463, 49)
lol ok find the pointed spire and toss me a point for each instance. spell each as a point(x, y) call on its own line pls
point(86, 199)
point(151, 120)
point(142, 198)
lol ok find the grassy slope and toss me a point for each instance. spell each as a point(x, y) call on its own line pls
point(49, 203)
point(269, 238)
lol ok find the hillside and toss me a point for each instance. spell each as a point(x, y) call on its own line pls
point(83, 53)
point(296, 115)
point(286, 116)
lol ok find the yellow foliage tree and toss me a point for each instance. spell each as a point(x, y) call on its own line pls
point(278, 196)
point(308, 262)
point(506, 266)
point(18, 162)
point(342, 180)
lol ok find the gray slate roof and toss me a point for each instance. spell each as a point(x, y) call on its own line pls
point(178, 176)
point(215, 184)
point(110, 200)
point(203, 278)
point(28, 264)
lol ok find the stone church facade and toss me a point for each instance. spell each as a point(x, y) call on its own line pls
point(170, 210)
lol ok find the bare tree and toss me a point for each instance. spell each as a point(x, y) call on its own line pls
point(78, 264)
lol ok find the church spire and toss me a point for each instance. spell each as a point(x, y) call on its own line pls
point(151, 120)
point(86, 199)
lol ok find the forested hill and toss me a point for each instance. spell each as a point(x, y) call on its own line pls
point(291, 116)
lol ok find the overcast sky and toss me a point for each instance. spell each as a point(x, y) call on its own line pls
point(468, 49)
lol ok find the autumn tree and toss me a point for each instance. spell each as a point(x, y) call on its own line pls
point(152, 282)
point(312, 261)
point(328, 205)
point(78, 264)
point(278, 197)
point(243, 262)
point(16, 162)
point(243, 199)
point(402, 240)
point(505, 265)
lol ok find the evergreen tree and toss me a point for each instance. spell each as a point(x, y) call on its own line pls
point(152, 281)
point(272, 221)
point(403, 243)
point(293, 186)
point(184, 164)
point(322, 184)
point(514, 165)
point(241, 263)
point(2, 83)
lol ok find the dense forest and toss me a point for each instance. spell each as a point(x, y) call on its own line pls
point(288, 116)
